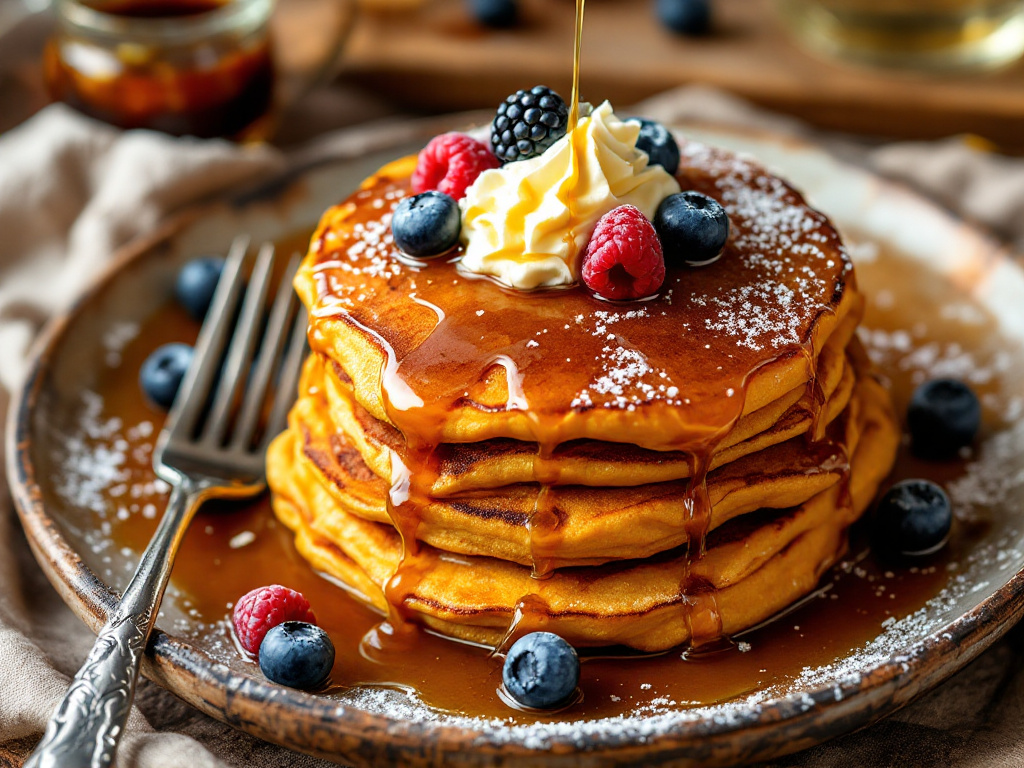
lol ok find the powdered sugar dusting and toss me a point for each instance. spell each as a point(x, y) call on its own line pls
point(369, 253)
point(624, 377)
point(792, 255)
point(96, 459)
point(997, 477)
point(99, 471)
point(903, 350)
point(93, 458)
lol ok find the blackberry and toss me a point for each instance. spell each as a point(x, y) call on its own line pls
point(527, 123)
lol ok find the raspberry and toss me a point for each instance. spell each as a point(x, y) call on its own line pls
point(624, 258)
point(263, 609)
point(450, 163)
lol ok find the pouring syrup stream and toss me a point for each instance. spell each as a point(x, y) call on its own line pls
point(574, 104)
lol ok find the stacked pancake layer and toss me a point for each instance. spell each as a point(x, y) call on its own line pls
point(478, 460)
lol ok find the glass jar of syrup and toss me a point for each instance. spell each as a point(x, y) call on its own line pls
point(185, 67)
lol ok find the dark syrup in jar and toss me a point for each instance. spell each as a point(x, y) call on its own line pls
point(216, 85)
point(232, 549)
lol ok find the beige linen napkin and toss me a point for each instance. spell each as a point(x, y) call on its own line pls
point(72, 190)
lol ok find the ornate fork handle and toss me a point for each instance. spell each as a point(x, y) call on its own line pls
point(84, 730)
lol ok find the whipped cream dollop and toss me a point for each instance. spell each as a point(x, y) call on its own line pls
point(527, 223)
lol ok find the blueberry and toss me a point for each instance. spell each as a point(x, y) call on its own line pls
point(687, 17)
point(914, 518)
point(499, 14)
point(659, 144)
point(161, 374)
point(427, 225)
point(944, 416)
point(297, 654)
point(692, 227)
point(196, 283)
point(541, 671)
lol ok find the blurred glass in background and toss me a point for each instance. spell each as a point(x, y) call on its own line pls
point(911, 34)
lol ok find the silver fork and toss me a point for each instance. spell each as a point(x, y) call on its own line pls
point(201, 459)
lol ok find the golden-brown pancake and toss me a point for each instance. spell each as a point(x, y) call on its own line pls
point(679, 466)
point(596, 524)
point(757, 569)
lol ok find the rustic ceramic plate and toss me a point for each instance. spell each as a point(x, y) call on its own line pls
point(898, 237)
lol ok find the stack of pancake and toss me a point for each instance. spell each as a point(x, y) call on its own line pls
point(484, 461)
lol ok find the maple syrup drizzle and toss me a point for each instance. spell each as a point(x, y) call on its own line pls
point(577, 50)
point(818, 435)
point(413, 480)
point(698, 596)
point(814, 393)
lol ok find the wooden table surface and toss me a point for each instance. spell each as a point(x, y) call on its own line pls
point(435, 57)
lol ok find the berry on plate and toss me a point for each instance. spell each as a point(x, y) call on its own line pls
point(450, 163)
point(196, 283)
point(427, 224)
point(686, 17)
point(914, 518)
point(527, 123)
point(693, 228)
point(161, 374)
point(298, 655)
point(499, 14)
point(623, 259)
point(659, 144)
point(262, 609)
point(541, 671)
point(944, 416)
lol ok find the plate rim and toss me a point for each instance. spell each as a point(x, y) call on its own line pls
point(234, 698)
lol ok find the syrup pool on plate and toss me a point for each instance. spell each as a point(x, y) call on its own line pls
point(918, 325)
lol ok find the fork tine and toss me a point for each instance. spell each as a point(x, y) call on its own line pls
point(243, 341)
point(288, 387)
point(195, 387)
point(271, 350)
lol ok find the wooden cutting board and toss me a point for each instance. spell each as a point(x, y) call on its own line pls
point(434, 57)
